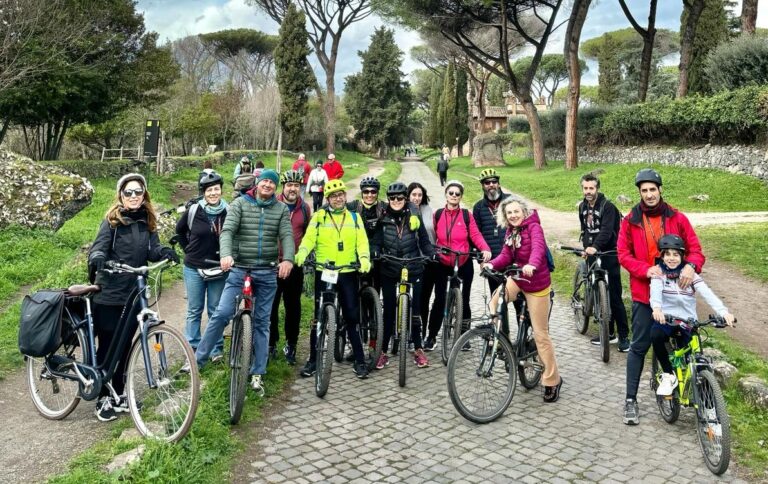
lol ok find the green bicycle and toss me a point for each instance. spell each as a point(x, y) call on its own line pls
point(697, 388)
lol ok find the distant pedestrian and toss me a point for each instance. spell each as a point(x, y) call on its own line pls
point(333, 168)
point(442, 169)
point(317, 180)
point(302, 166)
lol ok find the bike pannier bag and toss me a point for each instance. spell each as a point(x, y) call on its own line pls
point(40, 324)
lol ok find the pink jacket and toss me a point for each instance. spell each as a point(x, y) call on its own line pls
point(452, 233)
point(529, 248)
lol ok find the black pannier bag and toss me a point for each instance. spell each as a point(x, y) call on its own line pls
point(40, 324)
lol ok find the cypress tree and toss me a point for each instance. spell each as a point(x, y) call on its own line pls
point(609, 75)
point(711, 31)
point(462, 108)
point(449, 107)
point(435, 127)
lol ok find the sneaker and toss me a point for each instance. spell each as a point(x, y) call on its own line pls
point(467, 346)
point(623, 345)
point(552, 394)
point(631, 412)
point(411, 347)
point(257, 385)
point(121, 406)
point(420, 358)
point(186, 368)
point(612, 339)
point(667, 385)
point(290, 354)
point(217, 358)
point(361, 370)
point(309, 369)
point(382, 362)
point(429, 344)
point(105, 412)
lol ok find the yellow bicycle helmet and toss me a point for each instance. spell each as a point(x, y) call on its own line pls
point(334, 186)
point(488, 174)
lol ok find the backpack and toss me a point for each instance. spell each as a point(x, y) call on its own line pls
point(40, 322)
point(464, 212)
point(325, 214)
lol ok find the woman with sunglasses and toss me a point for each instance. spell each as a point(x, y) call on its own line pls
point(401, 233)
point(370, 209)
point(456, 229)
point(129, 234)
point(417, 195)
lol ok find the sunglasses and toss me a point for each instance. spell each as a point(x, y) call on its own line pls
point(491, 182)
point(134, 192)
point(396, 198)
point(453, 194)
point(370, 192)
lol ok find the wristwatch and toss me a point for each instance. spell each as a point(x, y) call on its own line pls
point(693, 266)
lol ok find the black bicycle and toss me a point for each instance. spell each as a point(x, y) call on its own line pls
point(371, 325)
point(162, 397)
point(590, 298)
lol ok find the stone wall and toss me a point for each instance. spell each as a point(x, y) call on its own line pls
point(747, 160)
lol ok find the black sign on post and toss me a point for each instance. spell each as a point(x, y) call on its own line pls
point(151, 138)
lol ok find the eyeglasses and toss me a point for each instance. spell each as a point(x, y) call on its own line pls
point(490, 182)
point(133, 192)
point(370, 192)
point(337, 195)
point(396, 198)
point(453, 194)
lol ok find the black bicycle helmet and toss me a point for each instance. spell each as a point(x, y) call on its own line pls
point(209, 178)
point(671, 241)
point(397, 188)
point(647, 175)
point(370, 182)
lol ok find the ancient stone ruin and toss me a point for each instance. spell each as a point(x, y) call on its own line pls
point(487, 150)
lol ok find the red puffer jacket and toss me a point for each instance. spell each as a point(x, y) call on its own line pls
point(633, 248)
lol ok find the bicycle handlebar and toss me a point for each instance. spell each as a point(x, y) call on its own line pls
point(691, 323)
point(580, 251)
point(247, 267)
point(512, 271)
point(422, 259)
point(118, 267)
point(474, 253)
point(330, 265)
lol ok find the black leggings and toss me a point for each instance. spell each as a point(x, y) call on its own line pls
point(388, 288)
point(466, 273)
point(349, 302)
point(289, 290)
point(105, 323)
point(317, 200)
point(659, 339)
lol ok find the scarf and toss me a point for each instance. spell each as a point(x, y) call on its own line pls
point(672, 273)
point(656, 211)
point(213, 210)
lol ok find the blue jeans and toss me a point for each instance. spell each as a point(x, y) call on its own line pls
point(263, 285)
point(201, 294)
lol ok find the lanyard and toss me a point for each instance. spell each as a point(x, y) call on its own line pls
point(650, 228)
point(448, 230)
point(401, 228)
point(338, 229)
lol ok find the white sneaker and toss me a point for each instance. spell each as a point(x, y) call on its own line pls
point(667, 385)
point(257, 385)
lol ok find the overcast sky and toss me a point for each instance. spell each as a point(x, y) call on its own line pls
point(174, 19)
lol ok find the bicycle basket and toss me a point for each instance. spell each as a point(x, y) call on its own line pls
point(40, 322)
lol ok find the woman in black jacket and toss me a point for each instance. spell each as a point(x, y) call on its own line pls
point(198, 233)
point(128, 234)
point(400, 233)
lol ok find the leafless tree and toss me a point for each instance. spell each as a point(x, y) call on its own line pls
point(196, 63)
point(649, 35)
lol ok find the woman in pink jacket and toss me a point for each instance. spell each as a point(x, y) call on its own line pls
point(456, 229)
point(526, 247)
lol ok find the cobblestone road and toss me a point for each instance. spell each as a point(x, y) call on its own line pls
point(374, 431)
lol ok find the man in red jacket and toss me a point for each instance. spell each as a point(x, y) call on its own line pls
point(333, 168)
point(303, 167)
point(640, 230)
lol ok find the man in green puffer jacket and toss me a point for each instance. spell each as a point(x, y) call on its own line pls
point(254, 225)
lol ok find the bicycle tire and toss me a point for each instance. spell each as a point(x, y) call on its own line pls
point(472, 373)
point(451, 323)
point(669, 408)
point(371, 325)
point(712, 423)
point(603, 318)
point(579, 299)
point(404, 311)
point(55, 398)
point(324, 355)
point(528, 364)
point(340, 345)
point(166, 411)
point(241, 350)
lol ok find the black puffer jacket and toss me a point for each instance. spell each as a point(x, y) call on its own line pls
point(133, 244)
point(485, 218)
point(394, 237)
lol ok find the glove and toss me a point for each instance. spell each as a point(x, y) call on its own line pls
point(365, 265)
point(170, 254)
point(415, 223)
point(94, 266)
point(300, 257)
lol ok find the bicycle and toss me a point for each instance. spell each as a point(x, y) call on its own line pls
point(371, 325)
point(478, 393)
point(403, 314)
point(241, 344)
point(590, 298)
point(162, 398)
point(697, 388)
point(327, 323)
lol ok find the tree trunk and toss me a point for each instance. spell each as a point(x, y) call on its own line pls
point(695, 8)
point(539, 158)
point(645, 64)
point(572, 39)
point(4, 129)
point(748, 16)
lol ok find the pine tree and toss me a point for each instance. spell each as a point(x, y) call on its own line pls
point(294, 75)
point(435, 112)
point(711, 30)
point(448, 106)
point(462, 108)
point(609, 76)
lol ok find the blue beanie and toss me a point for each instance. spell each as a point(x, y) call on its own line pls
point(269, 175)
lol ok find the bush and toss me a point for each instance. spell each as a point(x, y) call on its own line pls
point(518, 124)
point(737, 64)
point(553, 126)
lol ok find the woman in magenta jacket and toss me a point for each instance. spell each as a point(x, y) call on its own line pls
point(526, 247)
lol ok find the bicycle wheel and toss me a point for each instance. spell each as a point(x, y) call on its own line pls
point(669, 406)
point(451, 323)
point(481, 381)
point(324, 356)
point(166, 410)
point(712, 423)
point(579, 299)
point(404, 311)
point(55, 397)
point(240, 364)
point(371, 326)
point(603, 318)
point(528, 365)
point(340, 345)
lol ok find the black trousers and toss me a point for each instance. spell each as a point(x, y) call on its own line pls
point(106, 319)
point(317, 200)
point(659, 338)
point(443, 177)
point(289, 290)
point(618, 311)
point(388, 289)
point(642, 321)
point(349, 302)
point(466, 273)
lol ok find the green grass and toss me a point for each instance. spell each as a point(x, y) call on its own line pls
point(743, 245)
point(558, 188)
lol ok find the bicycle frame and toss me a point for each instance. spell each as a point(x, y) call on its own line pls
point(686, 362)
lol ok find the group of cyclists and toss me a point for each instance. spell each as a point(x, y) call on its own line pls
point(271, 227)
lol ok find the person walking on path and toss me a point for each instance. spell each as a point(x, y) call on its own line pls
point(442, 169)
point(600, 220)
point(289, 289)
point(316, 182)
point(333, 168)
point(256, 222)
point(640, 231)
point(302, 166)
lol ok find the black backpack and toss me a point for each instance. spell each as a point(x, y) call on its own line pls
point(40, 322)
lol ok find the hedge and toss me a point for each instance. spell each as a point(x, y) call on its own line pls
point(553, 126)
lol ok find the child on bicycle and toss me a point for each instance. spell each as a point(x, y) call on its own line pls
point(668, 298)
